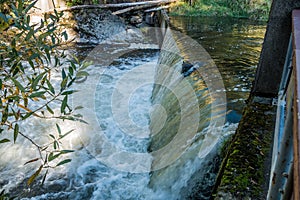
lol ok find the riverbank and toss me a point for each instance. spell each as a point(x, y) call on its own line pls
point(220, 8)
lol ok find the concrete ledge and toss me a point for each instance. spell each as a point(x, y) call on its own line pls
point(244, 173)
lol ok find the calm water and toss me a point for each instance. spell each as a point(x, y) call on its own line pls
point(235, 46)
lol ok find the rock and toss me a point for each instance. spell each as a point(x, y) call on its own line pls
point(136, 19)
point(95, 26)
point(186, 66)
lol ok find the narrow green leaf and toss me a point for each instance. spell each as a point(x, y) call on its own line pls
point(64, 162)
point(27, 115)
point(50, 87)
point(18, 84)
point(29, 35)
point(30, 161)
point(28, 19)
point(64, 135)
point(55, 145)
point(34, 56)
point(31, 63)
point(49, 109)
point(63, 74)
point(58, 129)
point(48, 55)
point(71, 71)
point(73, 65)
point(29, 6)
point(82, 121)
point(85, 65)
point(71, 82)
point(37, 80)
point(37, 94)
point(33, 176)
point(63, 84)
point(4, 140)
point(78, 107)
point(56, 13)
point(66, 151)
point(69, 92)
point(16, 132)
point(44, 178)
point(53, 156)
point(13, 42)
point(78, 115)
point(52, 136)
point(5, 115)
point(44, 35)
point(82, 73)
point(53, 39)
point(64, 104)
point(65, 35)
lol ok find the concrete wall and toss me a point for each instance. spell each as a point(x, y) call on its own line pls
point(268, 74)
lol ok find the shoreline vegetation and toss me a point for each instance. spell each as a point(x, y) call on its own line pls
point(248, 9)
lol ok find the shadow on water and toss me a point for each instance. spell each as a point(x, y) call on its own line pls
point(234, 45)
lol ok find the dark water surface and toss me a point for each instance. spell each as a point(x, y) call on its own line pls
point(234, 45)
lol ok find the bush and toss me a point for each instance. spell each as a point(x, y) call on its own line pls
point(29, 55)
point(253, 9)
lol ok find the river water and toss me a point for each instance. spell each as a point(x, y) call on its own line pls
point(235, 46)
point(102, 168)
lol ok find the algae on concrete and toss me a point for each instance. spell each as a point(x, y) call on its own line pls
point(244, 173)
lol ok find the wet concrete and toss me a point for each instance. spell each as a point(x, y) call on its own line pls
point(245, 170)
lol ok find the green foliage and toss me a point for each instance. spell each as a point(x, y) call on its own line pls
point(81, 2)
point(254, 9)
point(29, 56)
point(74, 2)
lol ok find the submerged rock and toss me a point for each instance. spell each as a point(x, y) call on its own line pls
point(188, 68)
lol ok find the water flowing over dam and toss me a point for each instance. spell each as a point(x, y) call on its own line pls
point(195, 111)
point(154, 129)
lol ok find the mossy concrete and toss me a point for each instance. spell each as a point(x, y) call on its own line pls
point(244, 173)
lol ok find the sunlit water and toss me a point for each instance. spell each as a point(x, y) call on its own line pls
point(233, 44)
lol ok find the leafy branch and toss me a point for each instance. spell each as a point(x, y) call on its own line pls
point(36, 79)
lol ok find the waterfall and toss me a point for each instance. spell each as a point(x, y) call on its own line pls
point(187, 126)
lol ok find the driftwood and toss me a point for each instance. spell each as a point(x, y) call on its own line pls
point(129, 6)
point(156, 9)
point(141, 7)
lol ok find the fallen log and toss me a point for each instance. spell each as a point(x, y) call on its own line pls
point(159, 3)
point(156, 9)
point(142, 4)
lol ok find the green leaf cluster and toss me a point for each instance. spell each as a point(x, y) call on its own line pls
point(30, 53)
